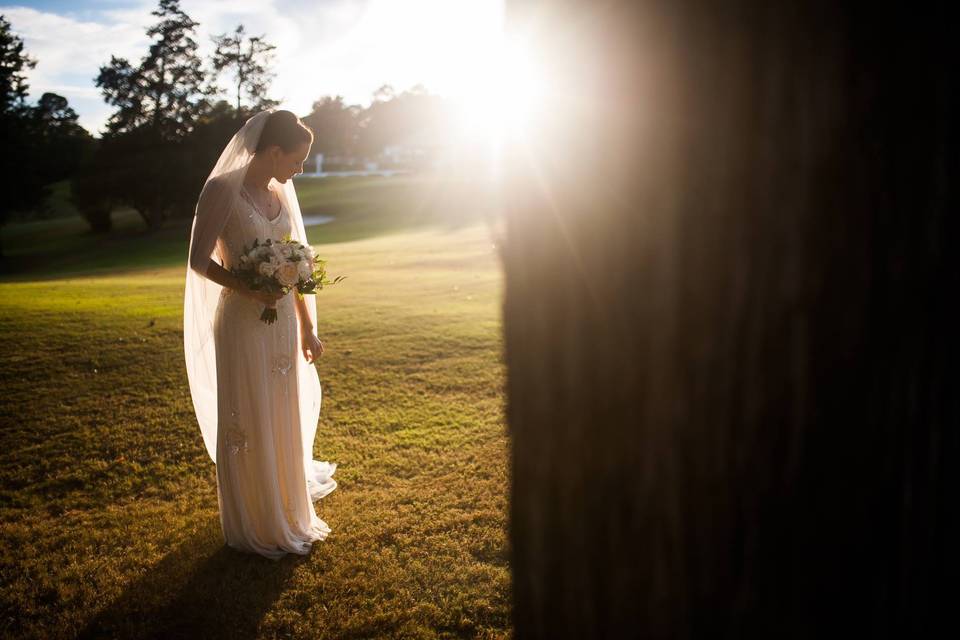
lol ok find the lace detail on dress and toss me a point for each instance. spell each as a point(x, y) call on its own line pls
point(236, 436)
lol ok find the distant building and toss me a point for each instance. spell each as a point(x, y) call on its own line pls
point(423, 149)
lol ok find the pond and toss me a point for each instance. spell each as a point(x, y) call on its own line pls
point(311, 220)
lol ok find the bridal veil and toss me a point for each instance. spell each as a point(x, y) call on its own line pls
point(217, 202)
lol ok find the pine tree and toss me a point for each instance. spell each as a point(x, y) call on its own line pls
point(249, 57)
point(22, 188)
point(13, 63)
point(166, 91)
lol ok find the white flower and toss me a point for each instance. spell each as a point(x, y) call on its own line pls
point(286, 251)
point(304, 269)
point(287, 274)
point(267, 268)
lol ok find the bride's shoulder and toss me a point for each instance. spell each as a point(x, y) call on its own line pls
point(218, 193)
point(213, 191)
point(217, 186)
point(225, 182)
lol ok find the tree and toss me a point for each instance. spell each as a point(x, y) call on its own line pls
point(393, 118)
point(140, 170)
point(13, 63)
point(56, 115)
point(21, 187)
point(384, 93)
point(730, 339)
point(158, 104)
point(62, 143)
point(335, 126)
point(166, 91)
point(250, 64)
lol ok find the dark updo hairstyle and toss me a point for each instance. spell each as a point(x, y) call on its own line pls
point(285, 129)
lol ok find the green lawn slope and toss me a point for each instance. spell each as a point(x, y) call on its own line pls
point(108, 510)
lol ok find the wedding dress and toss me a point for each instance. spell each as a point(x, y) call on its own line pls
point(256, 402)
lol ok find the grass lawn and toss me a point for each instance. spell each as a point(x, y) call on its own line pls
point(361, 207)
point(108, 511)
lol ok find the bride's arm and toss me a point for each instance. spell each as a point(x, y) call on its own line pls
point(214, 271)
point(211, 216)
point(213, 209)
point(224, 278)
point(302, 314)
point(310, 344)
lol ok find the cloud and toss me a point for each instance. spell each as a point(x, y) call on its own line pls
point(305, 35)
point(69, 52)
point(303, 32)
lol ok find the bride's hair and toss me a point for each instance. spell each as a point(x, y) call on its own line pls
point(285, 129)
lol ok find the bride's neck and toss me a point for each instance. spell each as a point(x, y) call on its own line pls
point(257, 176)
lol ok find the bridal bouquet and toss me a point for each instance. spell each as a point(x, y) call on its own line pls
point(280, 267)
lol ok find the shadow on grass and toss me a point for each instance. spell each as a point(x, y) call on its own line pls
point(201, 589)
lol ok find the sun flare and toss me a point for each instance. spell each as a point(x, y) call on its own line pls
point(505, 95)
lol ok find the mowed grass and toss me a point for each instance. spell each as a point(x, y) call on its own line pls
point(361, 207)
point(110, 523)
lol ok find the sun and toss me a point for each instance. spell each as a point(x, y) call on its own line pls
point(505, 95)
point(461, 52)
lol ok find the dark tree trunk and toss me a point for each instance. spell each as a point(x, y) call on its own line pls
point(3, 256)
point(731, 257)
point(153, 216)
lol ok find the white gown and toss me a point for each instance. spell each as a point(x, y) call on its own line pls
point(264, 492)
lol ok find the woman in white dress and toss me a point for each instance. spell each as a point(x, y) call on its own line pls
point(254, 386)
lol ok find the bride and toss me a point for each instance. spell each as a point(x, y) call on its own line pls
point(254, 385)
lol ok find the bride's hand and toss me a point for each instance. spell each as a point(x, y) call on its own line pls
point(311, 346)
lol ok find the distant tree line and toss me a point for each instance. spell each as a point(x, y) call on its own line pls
point(351, 131)
point(170, 122)
point(168, 127)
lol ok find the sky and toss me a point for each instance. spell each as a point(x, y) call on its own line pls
point(324, 47)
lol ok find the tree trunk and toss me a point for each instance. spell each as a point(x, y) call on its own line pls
point(730, 255)
point(3, 256)
point(161, 86)
point(239, 69)
point(153, 217)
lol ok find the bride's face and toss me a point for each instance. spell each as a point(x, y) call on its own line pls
point(286, 165)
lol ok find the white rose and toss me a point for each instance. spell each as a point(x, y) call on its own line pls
point(305, 270)
point(286, 250)
point(267, 268)
point(287, 274)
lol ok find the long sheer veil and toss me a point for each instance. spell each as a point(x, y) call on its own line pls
point(217, 202)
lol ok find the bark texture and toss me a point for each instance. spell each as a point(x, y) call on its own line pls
point(730, 257)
